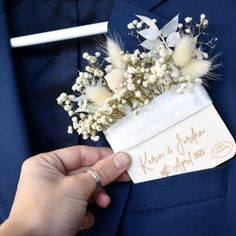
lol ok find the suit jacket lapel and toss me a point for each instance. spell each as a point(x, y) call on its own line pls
point(13, 136)
point(107, 220)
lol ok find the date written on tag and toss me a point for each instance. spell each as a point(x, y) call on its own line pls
point(199, 142)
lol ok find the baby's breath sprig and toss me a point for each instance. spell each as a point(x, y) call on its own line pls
point(172, 58)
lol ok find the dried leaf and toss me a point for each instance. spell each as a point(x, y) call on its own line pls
point(173, 39)
point(170, 27)
point(150, 33)
point(151, 44)
point(78, 99)
point(91, 108)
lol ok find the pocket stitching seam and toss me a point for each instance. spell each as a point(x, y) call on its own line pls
point(193, 202)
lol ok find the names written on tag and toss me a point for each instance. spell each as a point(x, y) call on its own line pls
point(186, 147)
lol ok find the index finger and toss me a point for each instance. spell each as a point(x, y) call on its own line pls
point(80, 156)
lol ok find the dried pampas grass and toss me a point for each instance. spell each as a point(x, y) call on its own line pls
point(114, 51)
point(97, 94)
point(197, 68)
point(184, 51)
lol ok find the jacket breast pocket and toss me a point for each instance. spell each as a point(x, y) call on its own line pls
point(180, 189)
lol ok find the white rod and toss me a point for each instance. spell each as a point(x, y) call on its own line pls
point(58, 35)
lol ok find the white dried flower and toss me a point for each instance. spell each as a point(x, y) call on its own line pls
point(131, 70)
point(135, 105)
point(95, 138)
point(205, 22)
point(97, 54)
point(93, 60)
point(139, 25)
point(198, 81)
point(126, 57)
point(198, 54)
point(75, 119)
point(62, 98)
point(85, 55)
point(86, 75)
point(130, 26)
point(197, 68)
point(78, 80)
point(131, 87)
point(164, 67)
point(152, 78)
point(205, 55)
point(159, 70)
point(108, 68)
point(98, 73)
point(70, 130)
point(67, 108)
point(88, 68)
point(187, 31)
point(161, 60)
point(188, 78)
point(142, 70)
point(174, 74)
point(97, 94)
point(202, 17)
point(145, 84)
point(70, 113)
point(138, 94)
point(180, 25)
point(130, 81)
point(188, 20)
point(82, 116)
point(184, 51)
point(182, 88)
point(115, 78)
point(163, 52)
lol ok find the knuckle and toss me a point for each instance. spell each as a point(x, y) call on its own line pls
point(27, 163)
point(33, 161)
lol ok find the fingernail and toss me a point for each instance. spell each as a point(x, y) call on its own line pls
point(121, 160)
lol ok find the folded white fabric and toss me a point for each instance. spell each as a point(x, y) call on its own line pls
point(163, 112)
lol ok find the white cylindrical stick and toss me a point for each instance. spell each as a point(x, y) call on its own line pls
point(59, 35)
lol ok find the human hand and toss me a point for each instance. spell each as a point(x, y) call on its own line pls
point(53, 190)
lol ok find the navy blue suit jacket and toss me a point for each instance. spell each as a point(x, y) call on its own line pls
point(198, 203)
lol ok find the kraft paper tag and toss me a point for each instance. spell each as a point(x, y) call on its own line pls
point(199, 142)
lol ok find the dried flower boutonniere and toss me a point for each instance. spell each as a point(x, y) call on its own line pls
point(172, 58)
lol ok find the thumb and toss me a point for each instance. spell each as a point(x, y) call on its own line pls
point(108, 169)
